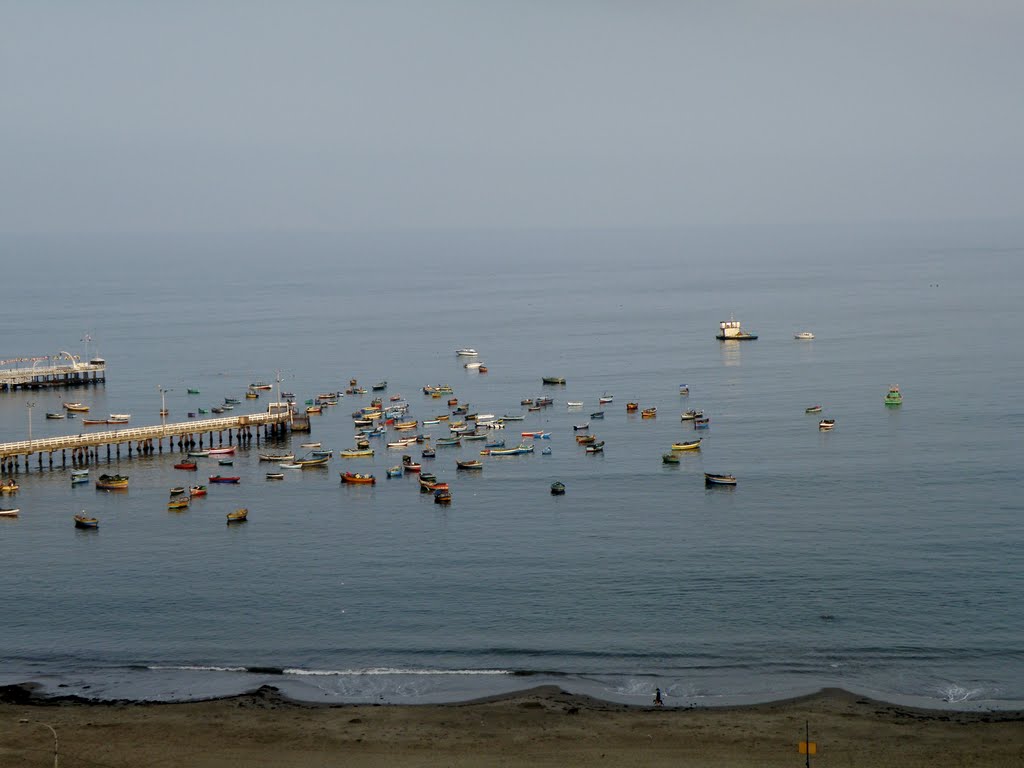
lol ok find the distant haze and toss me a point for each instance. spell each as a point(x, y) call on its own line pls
point(335, 116)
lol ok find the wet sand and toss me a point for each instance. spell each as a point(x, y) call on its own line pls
point(540, 727)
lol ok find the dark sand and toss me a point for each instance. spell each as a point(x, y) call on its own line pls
point(539, 727)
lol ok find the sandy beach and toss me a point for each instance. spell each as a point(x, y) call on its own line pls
point(539, 727)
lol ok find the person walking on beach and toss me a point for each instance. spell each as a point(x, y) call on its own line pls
point(657, 697)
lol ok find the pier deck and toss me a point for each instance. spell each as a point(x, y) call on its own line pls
point(69, 374)
point(140, 434)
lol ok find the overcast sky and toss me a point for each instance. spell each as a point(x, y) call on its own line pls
point(304, 115)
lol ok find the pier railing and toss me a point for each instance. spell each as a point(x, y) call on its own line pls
point(132, 434)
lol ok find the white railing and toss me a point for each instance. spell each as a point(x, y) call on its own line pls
point(110, 437)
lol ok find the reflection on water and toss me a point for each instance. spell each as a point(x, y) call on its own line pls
point(730, 352)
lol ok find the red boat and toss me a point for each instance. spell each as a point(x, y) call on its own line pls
point(197, 490)
point(349, 477)
point(222, 479)
point(187, 465)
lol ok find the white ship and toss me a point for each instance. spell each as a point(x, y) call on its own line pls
point(731, 331)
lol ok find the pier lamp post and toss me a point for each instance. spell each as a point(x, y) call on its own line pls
point(163, 402)
point(30, 405)
point(56, 753)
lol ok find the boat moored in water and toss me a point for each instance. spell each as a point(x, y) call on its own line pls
point(803, 336)
point(713, 479)
point(731, 331)
point(238, 516)
point(84, 521)
point(894, 396)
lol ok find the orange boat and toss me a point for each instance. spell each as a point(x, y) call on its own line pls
point(358, 478)
point(187, 465)
point(649, 413)
point(632, 407)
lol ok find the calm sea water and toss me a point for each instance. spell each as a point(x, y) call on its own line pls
point(885, 557)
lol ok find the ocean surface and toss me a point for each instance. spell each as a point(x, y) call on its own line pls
point(885, 557)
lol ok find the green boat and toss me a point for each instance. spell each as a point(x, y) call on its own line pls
point(670, 458)
point(203, 410)
point(894, 396)
point(193, 391)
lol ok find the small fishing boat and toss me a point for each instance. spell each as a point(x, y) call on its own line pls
point(482, 369)
point(79, 480)
point(448, 441)
point(546, 451)
point(713, 479)
point(470, 436)
point(276, 457)
point(473, 365)
point(193, 391)
point(669, 458)
point(703, 423)
point(314, 409)
point(118, 417)
point(586, 439)
point(527, 401)
point(4, 512)
point(235, 480)
point(191, 414)
point(495, 444)
point(690, 415)
point(214, 410)
point(632, 407)
point(380, 385)
point(512, 417)
point(357, 478)
point(428, 453)
point(597, 415)
point(812, 409)
point(197, 490)
point(177, 490)
point(320, 453)
point(310, 463)
point(804, 336)
point(252, 395)
point(597, 447)
point(221, 451)
point(466, 352)
point(198, 454)
point(688, 445)
point(232, 401)
point(469, 464)
point(76, 407)
point(405, 425)
point(519, 450)
point(826, 424)
point(180, 503)
point(648, 413)
point(557, 488)
point(202, 410)
point(290, 465)
point(260, 385)
point(605, 398)
point(552, 380)
point(442, 496)
point(309, 445)
point(574, 404)
point(276, 475)
point(190, 465)
point(894, 396)
point(684, 389)
point(79, 472)
point(226, 462)
point(112, 482)
point(83, 521)
point(55, 416)
point(238, 516)
point(355, 453)
point(395, 471)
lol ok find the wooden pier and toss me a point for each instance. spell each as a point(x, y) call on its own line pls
point(67, 372)
point(185, 436)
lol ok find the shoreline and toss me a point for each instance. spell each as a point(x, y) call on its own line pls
point(537, 726)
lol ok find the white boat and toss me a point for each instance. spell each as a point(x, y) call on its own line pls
point(466, 352)
point(474, 364)
point(309, 445)
point(9, 512)
point(290, 465)
point(575, 403)
point(804, 336)
point(119, 416)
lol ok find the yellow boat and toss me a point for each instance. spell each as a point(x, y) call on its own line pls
point(238, 516)
point(691, 445)
point(180, 503)
point(9, 487)
point(112, 482)
point(353, 453)
point(76, 407)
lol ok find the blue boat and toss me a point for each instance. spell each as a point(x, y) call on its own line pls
point(597, 415)
point(495, 444)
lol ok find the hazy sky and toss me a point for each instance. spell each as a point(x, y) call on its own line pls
point(228, 116)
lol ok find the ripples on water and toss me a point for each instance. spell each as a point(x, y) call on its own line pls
point(883, 557)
